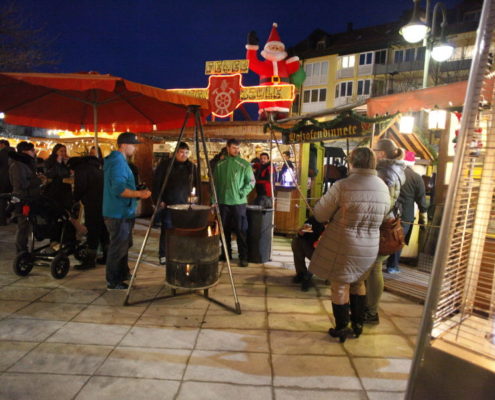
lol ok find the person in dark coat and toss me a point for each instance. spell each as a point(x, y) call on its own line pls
point(412, 191)
point(177, 191)
point(25, 185)
point(390, 168)
point(303, 246)
point(56, 171)
point(262, 171)
point(88, 188)
point(5, 186)
point(217, 158)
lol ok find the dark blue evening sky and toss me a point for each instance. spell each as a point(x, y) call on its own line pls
point(166, 43)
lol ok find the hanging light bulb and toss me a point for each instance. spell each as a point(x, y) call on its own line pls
point(406, 124)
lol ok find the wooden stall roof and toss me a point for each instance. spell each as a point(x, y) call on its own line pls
point(442, 96)
point(407, 141)
point(242, 130)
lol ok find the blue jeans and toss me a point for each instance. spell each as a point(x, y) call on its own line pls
point(393, 260)
point(120, 232)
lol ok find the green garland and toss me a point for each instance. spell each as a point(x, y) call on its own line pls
point(311, 124)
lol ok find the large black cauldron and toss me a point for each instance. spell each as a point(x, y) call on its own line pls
point(189, 216)
point(192, 257)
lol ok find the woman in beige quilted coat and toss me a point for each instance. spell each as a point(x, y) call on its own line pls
point(355, 208)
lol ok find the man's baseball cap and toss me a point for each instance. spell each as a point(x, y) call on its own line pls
point(127, 138)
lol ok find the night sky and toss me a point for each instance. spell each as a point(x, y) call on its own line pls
point(166, 43)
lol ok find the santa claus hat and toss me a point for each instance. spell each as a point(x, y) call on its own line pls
point(274, 37)
point(410, 158)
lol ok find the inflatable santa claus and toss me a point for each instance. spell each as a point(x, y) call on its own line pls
point(274, 70)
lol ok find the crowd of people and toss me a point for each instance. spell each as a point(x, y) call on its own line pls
point(340, 240)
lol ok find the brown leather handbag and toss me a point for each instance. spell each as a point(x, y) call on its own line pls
point(391, 233)
point(391, 236)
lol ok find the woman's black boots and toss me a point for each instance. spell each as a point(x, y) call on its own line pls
point(341, 315)
point(358, 305)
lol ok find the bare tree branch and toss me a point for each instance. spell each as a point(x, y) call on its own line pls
point(22, 48)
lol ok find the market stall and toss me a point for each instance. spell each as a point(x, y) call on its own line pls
point(434, 117)
point(95, 102)
point(290, 209)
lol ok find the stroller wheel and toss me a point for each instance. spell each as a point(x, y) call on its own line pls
point(23, 264)
point(81, 252)
point(60, 266)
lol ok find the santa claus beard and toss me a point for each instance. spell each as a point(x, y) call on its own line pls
point(273, 55)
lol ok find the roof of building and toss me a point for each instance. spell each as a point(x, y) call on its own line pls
point(321, 43)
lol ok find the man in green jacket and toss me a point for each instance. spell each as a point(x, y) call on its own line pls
point(234, 180)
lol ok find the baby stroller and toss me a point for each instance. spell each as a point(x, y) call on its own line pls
point(48, 221)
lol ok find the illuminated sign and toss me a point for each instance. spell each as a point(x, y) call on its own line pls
point(225, 93)
point(227, 67)
point(347, 128)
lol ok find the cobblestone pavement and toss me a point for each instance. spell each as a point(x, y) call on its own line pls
point(73, 339)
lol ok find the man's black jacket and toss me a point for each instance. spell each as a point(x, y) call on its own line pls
point(182, 178)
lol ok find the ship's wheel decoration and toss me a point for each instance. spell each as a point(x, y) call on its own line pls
point(224, 94)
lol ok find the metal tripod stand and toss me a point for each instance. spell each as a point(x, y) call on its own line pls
point(194, 112)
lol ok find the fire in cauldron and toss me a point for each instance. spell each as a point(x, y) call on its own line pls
point(192, 248)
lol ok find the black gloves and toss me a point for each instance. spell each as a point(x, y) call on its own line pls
point(252, 38)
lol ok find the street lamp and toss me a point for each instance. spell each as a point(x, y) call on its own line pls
point(417, 30)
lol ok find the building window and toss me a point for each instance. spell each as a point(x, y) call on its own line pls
point(344, 89)
point(323, 95)
point(366, 58)
point(381, 57)
point(316, 73)
point(409, 55)
point(398, 56)
point(364, 87)
point(347, 61)
point(314, 95)
point(324, 72)
point(420, 53)
point(306, 95)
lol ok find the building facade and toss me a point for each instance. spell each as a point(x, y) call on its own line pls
point(348, 67)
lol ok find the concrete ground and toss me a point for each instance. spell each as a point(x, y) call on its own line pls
point(72, 339)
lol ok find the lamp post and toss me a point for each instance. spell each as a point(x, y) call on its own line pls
point(417, 30)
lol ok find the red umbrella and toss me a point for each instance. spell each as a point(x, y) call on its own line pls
point(90, 101)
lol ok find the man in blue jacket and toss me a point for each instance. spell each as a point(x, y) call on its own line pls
point(119, 209)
